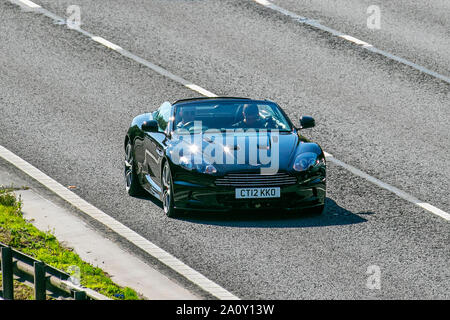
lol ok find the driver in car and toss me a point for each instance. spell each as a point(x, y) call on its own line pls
point(252, 119)
point(187, 118)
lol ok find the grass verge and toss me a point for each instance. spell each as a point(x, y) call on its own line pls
point(21, 235)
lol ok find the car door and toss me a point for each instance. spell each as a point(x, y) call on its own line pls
point(154, 143)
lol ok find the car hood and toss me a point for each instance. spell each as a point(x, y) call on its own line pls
point(243, 151)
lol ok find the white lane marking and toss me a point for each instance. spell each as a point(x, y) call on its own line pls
point(27, 4)
point(365, 45)
point(354, 40)
point(395, 190)
point(139, 241)
point(106, 43)
point(202, 91)
point(59, 20)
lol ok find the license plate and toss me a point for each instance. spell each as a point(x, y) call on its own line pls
point(257, 193)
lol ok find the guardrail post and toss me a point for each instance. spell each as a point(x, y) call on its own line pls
point(39, 281)
point(80, 295)
point(7, 274)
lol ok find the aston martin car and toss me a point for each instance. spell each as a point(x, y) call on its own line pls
point(224, 154)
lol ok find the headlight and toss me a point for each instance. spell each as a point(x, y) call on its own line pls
point(306, 160)
point(195, 162)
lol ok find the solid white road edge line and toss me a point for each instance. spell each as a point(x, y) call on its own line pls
point(365, 45)
point(139, 241)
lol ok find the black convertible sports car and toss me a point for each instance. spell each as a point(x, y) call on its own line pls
point(222, 154)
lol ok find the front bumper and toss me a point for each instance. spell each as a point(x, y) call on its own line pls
point(206, 196)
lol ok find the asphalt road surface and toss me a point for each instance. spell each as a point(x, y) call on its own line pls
point(66, 103)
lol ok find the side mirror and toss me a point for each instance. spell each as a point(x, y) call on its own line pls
point(150, 126)
point(307, 122)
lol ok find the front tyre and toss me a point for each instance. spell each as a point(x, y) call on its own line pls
point(167, 184)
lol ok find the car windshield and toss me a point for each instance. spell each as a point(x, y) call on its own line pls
point(225, 115)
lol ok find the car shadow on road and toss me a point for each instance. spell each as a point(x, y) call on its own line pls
point(332, 215)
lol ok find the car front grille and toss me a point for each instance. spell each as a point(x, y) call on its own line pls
point(255, 180)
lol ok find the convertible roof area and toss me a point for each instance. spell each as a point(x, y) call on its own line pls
point(209, 98)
